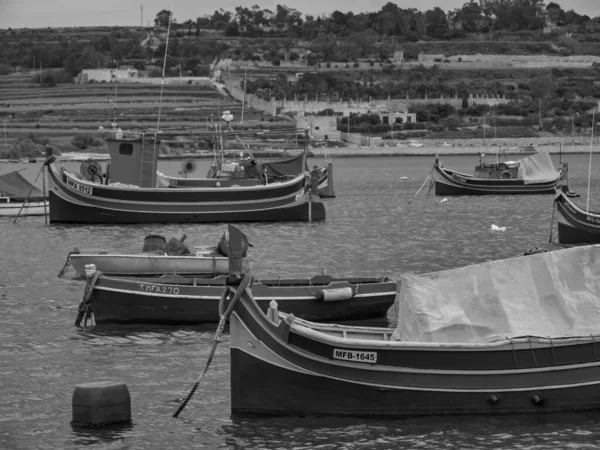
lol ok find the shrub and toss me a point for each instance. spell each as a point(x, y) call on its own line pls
point(84, 141)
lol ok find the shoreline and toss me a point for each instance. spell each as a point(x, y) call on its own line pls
point(341, 152)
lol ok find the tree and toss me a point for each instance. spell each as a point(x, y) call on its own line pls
point(437, 25)
point(162, 18)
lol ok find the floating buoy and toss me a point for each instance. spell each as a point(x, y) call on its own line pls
point(444, 200)
point(497, 228)
point(101, 403)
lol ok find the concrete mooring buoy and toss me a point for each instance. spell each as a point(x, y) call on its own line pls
point(101, 403)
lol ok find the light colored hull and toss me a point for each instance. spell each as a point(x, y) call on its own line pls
point(30, 209)
point(150, 264)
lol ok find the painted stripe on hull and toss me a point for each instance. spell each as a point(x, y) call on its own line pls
point(179, 195)
point(66, 211)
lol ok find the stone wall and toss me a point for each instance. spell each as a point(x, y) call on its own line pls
point(523, 61)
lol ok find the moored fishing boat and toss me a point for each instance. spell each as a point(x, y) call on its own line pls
point(18, 196)
point(517, 336)
point(158, 257)
point(575, 224)
point(177, 300)
point(129, 190)
point(534, 174)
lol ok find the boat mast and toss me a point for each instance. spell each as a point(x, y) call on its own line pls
point(244, 96)
point(162, 81)
point(590, 165)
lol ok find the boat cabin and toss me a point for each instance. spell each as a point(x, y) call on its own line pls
point(133, 158)
point(501, 170)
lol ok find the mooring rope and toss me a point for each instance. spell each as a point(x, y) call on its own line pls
point(66, 266)
point(225, 313)
point(552, 220)
point(85, 307)
point(211, 355)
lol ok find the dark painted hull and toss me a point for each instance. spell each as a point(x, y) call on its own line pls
point(576, 226)
point(63, 210)
point(78, 202)
point(388, 378)
point(124, 300)
point(449, 182)
point(252, 392)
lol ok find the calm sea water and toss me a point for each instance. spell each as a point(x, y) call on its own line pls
point(375, 226)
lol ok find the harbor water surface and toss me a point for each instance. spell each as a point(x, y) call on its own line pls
point(375, 226)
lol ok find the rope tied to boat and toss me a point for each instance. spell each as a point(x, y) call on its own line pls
point(225, 313)
point(85, 311)
point(68, 262)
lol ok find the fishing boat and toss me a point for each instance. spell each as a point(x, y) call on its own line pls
point(129, 189)
point(515, 336)
point(253, 171)
point(178, 300)
point(18, 196)
point(158, 257)
point(575, 224)
point(534, 174)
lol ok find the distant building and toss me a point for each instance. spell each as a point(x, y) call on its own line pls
point(319, 127)
point(106, 75)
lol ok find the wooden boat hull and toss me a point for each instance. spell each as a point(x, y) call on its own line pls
point(64, 210)
point(150, 264)
point(78, 202)
point(449, 182)
point(123, 300)
point(334, 370)
point(576, 226)
point(30, 209)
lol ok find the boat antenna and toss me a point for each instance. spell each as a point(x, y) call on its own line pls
point(162, 81)
point(590, 165)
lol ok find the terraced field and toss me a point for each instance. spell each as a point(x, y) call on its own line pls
point(61, 112)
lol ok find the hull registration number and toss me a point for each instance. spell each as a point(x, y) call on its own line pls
point(355, 356)
point(79, 187)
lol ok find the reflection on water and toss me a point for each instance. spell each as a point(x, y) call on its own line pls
point(375, 227)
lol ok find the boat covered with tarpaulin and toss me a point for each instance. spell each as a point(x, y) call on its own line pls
point(18, 196)
point(534, 174)
point(520, 335)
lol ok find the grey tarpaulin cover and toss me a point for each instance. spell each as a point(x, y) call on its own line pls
point(537, 168)
point(552, 294)
point(16, 186)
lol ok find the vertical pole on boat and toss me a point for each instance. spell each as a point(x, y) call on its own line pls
point(590, 165)
point(44, 197)
point(244, 96)
point(560, 152)
point(162, 81)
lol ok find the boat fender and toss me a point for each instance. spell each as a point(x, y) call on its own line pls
point(506, 175)
point(536, 399)
point(493, 398)
point(332, 295)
